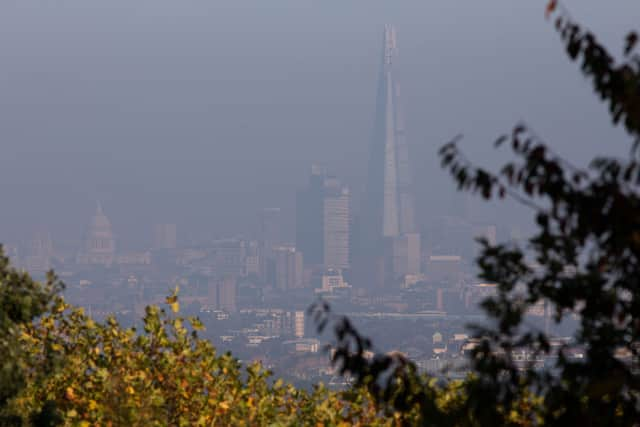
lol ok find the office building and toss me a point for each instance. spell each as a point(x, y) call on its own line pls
point(229, 257)
point(222, 294)
point(406, 255)
point(323, 222)
point(270, 227)
point(387, 212)
point(288, 267)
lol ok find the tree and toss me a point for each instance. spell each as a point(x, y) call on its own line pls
point(21, 301)
point(587, 244)
point(77, 371)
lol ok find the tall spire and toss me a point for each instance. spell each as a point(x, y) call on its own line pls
point(388, 208)
point(389, 196)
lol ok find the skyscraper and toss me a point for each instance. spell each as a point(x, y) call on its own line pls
point(288, 267)
point(322, 221)
point(270, 227)
point(222, 293)
point(270, 236)
point(388, 208)
point(335, 225)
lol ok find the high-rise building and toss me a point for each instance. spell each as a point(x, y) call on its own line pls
point(335, 222)
point(252, 259)
point(323, 221)
point(99, 245)
point(227, 294)
point(288, 267)
point(388, 207)
point(270, 236)
point(229, 257)
point(406, 255)
point(164, 236)
point(270, 227)
point(222, 293)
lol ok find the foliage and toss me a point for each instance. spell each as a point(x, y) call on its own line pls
point(21, 300)
point(60, 366)
point(77, 371)
point(584, 260)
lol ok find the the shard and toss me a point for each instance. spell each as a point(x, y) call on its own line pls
point(387, 212)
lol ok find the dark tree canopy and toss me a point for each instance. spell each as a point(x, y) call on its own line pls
point(22, 300)
point(587, 247)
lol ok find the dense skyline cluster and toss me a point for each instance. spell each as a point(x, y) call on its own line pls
point(251, 289)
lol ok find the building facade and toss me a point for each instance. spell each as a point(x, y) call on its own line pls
point(387, 213)
point(323, 217)
point(288, 267)
point(99, 243)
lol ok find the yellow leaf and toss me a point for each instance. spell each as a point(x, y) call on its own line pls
point(129, 390)
point(92, 405)
point(224, 405)
point(69, 393)
point(175, 306)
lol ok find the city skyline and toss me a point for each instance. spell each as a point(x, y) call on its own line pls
point(359, 241)
point(208, 114)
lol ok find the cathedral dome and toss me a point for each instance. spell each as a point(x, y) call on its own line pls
point(100, 222)
point(99, 239)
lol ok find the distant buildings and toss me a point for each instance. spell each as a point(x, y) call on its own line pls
point(288, 267)
point(229, 257)
point(270, 236)
point(164, 236)
point(443, 268)
point(299, 324)
point(323, 222)
point(270, 228)
point(332, 281)
point(406, 255)
point(39, 254)
point(99, 242)
point(222, 294)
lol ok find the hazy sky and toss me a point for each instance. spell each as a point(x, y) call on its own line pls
point(201, 112)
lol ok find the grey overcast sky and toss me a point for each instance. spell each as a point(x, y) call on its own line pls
point(201, 112)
